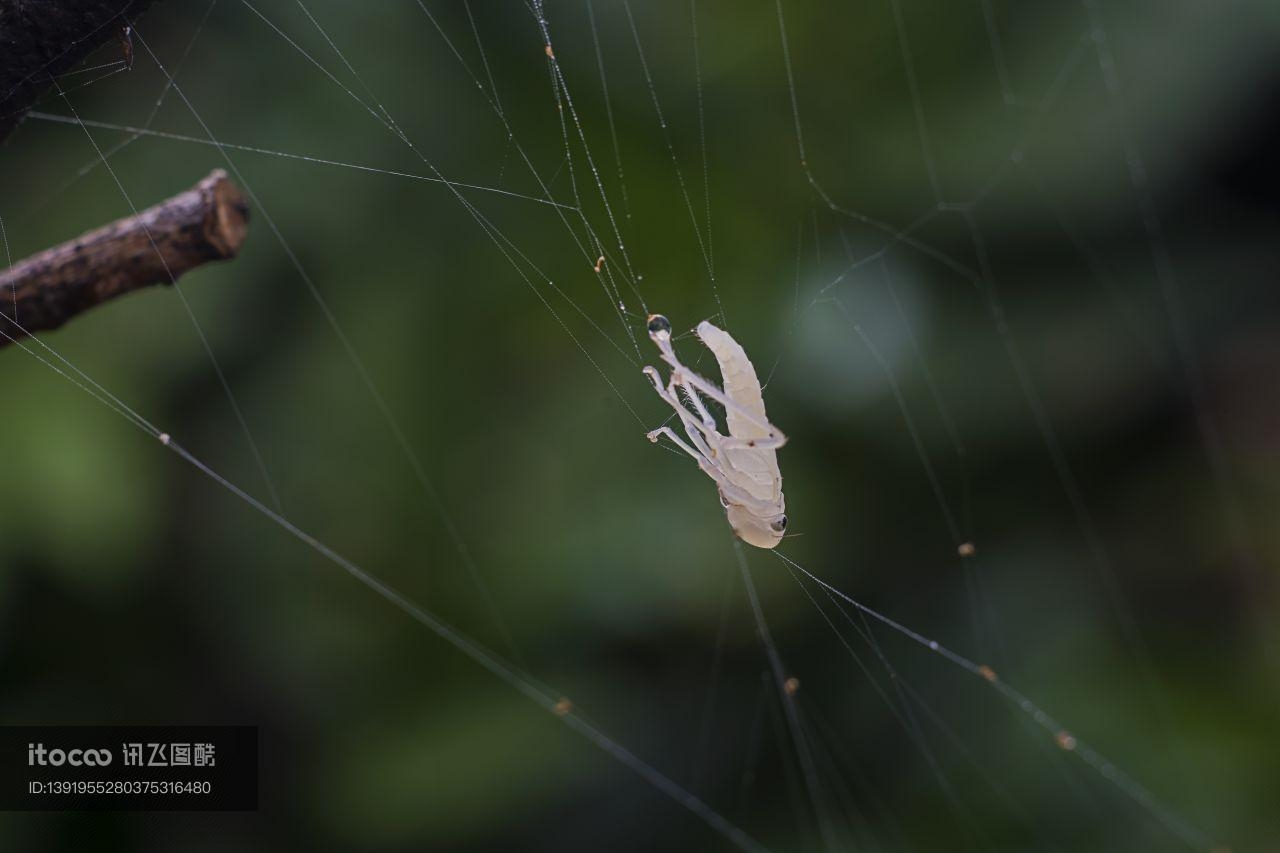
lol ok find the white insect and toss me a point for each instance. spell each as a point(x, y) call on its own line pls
point(743, 464)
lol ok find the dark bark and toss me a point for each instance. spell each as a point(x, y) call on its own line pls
point(40, 39)
point(205, 223)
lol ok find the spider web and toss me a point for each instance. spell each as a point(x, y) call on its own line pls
point(942, 247)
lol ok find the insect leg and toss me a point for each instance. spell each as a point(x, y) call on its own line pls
point(679, 442)
point(707, 426)
point(704, 453)
point(707, 421)
point(692, 383)
point(693, 380)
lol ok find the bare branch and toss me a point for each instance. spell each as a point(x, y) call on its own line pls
point(206, 223)
point(40, 39)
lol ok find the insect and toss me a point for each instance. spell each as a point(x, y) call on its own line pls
point(743, 464)
point(125, 37)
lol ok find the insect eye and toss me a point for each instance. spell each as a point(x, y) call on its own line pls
point(658, 324)
point(780, 525)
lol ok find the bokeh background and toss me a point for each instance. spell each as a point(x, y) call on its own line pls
point(1124, 521)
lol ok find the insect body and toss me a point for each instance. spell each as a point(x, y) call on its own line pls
point(744, 464)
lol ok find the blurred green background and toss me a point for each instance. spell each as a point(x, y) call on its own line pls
point(134, 589)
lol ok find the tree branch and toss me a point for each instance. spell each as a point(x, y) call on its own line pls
point(206, 223)
point(40, 39)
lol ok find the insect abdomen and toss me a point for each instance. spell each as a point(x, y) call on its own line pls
point(741, 384)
